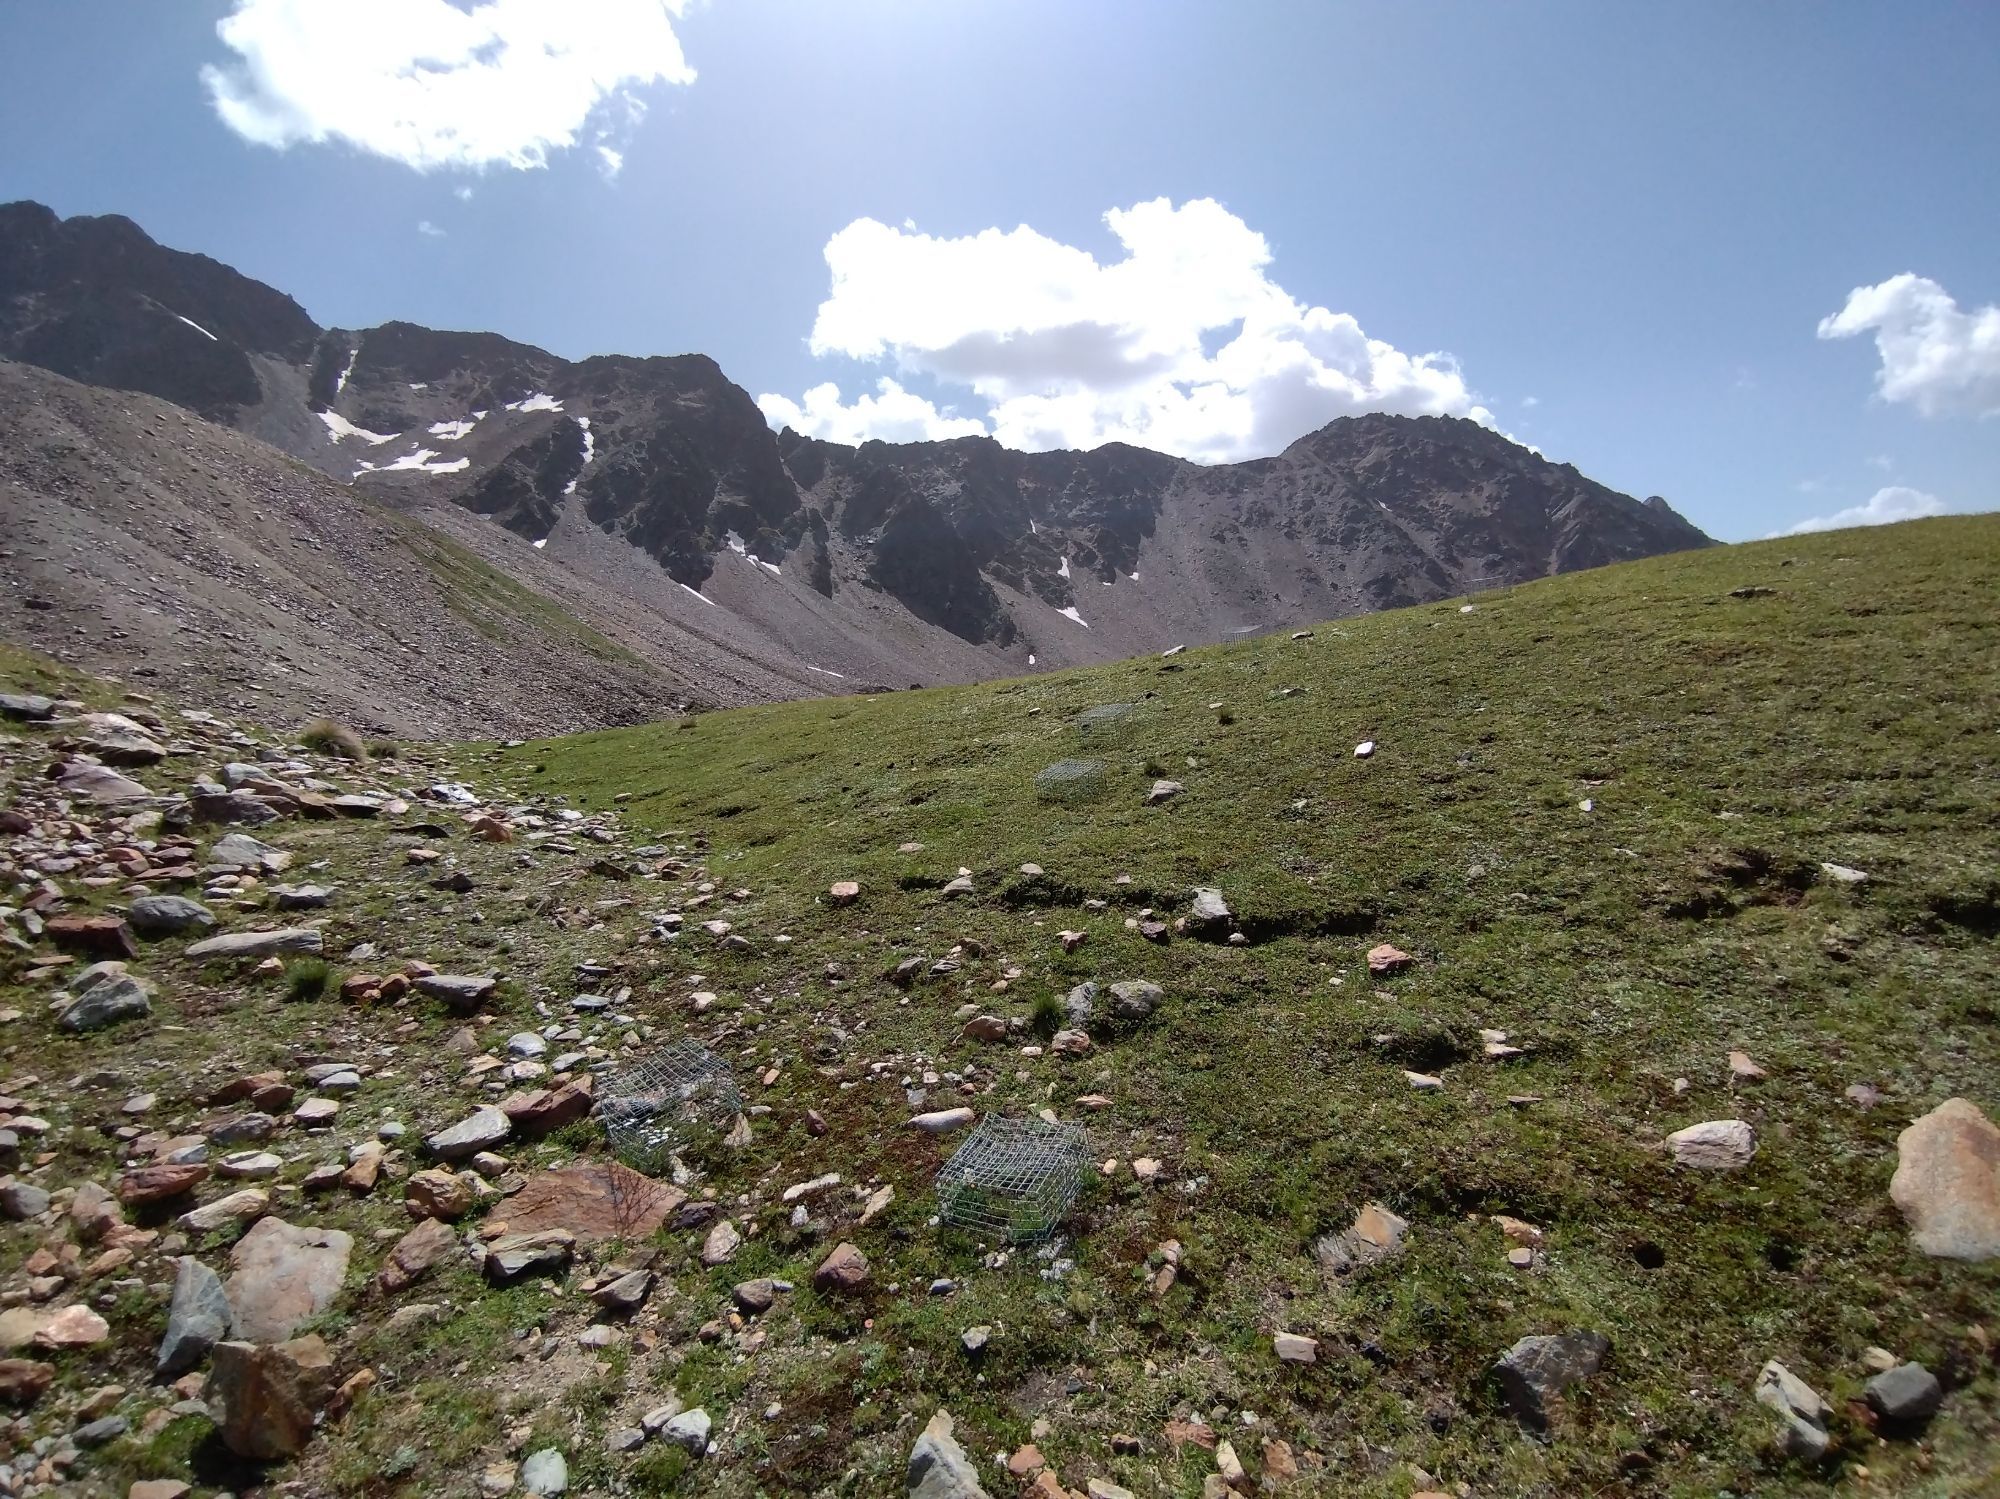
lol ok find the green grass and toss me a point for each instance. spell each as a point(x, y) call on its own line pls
point(1728, 746)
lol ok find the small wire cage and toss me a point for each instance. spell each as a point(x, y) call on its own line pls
point(1013, 1179)
point(654, 1107)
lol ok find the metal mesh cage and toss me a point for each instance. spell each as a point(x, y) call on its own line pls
point(655, 1106)
point(1013, 1179)
point(1070, 780)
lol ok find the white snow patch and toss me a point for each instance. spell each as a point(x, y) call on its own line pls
point(541, 400)
point(1031, 658)
point(419, 385)
point(1070, 613)
point(341, 427)
point(697, 593)
point(542, 543)
point(1033, 529)
point(198, 328)
point(422, 462)
point(1133, 576)
point(770, 567)
point(1063, 571)
point(451, 431)
point(589, 452)
point(340, 380)
point(479, 416)
point(1385, 509)
point(825, 673)
point(734, 542)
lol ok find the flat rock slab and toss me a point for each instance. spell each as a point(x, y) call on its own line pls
point(241, 851)
point(939, 1467)
point(197, 1319)
point(100, 783)
point(479, 1130)
point(594, 1200)
point(283, 1275)
point(232, 945)
point(268, 1397)
point(512, 1256)
point(1947, 1182)
point(167, 915)
point(461, 992)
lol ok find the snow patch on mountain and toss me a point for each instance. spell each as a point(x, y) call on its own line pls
point(341, 427)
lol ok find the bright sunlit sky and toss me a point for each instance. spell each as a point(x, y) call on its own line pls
point(1743, 256)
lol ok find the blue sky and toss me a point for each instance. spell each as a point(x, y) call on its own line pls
point(1628, 226)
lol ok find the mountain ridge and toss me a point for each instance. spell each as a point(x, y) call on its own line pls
point(933, 561)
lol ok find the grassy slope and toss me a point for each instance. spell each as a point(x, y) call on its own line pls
point(1850, 717)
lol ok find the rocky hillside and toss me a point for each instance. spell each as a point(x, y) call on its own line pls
point(1539, 1047)
point(884, 564)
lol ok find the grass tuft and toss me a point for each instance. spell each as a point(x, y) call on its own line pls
point(307, 979)
point(326, 737)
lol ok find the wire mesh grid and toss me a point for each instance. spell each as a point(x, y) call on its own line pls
point(653, 1107)
point(1014, 1179)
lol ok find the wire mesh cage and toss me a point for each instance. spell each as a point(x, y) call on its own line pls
point(1108, 723)
point(1013, 1179)
point(657, 1105)
point(1071, 780)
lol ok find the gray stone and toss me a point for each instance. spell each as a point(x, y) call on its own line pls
point(544, 1472)
point(1135, 999)
point(300, 897)
point(1802, 1415)
point(21, 1200)
point(27, 706)
point(1163, 791)
point(232, 807)
point(480, 1130)
point(1907, 1395)
point(1210, 912)
point(232, 945)
point(167, 915)
point(625, 1439)
point(1535, 1371)
point(1714, 1145)
point(241, 851)
point(461, 992)
point(197, 1319)
point(689, 1429)
point(939, 1468)
point(97, 1433)
point(115, 998)
point(1080, 1005)
point(99, 783)
point(512, 1256)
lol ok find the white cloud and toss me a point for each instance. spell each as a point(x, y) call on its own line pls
point(610, 162)
point(893, 415)
point(1941, 360)
point(1185, 344)
point(1530, 402)
point(463, 193)
point(435, 85)
point(1885, 506)
point(429, 230)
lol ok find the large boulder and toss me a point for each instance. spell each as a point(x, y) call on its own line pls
point(939, 1468)
point(197, 1318)
point(414, 1254)
point(595, 1200)
point(512, 1256)
point(281, 1276)
point(462, 993)
point(267, 1396)
point(482, 1129)
point(1947, 1182)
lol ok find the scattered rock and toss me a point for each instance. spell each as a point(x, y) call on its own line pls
point(23, 1381)
point(844, 892)
point(281, 1276)
point(1714, 1145)
point(544, 1472)
point(480, 1130)
point(105, 999)
point(939, 1468)
point(71, 1327)
point(1163, 791)
point(846, 1269)
point(167, 915)
point(266, 1397)
point(197, 1318)
point(721, 1244)
point(1905, 1396)
point(1535, 1371)
point(594, 1200)
point(513, 1256)
point(99, 936)
point(689, 1429)
point(1385, 959)
point(267, 944)
point(235, 1209)
point(462, 993)
point(241, 851)
point(943, 1120)
point(1293, 1348)
point(415, 1253)
point(1802, 1415)
point(1376, 1234)
point(1947, 1182)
